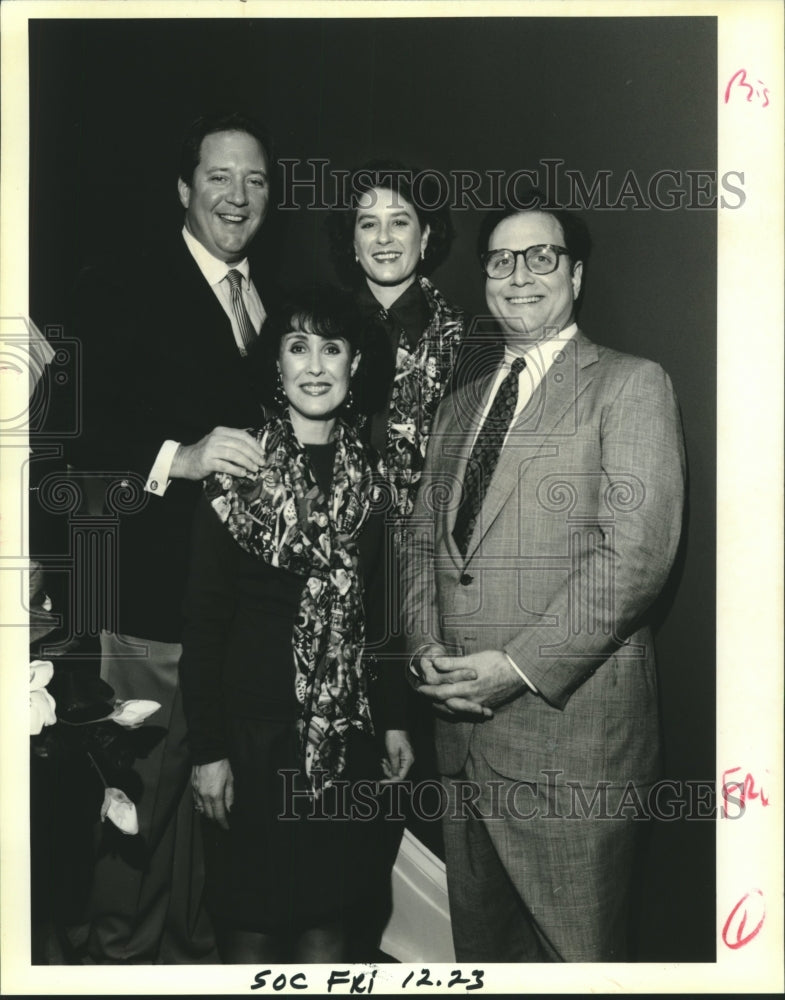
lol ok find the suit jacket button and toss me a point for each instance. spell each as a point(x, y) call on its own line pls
point(466, 579)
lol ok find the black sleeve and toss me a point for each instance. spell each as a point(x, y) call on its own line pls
point(117, 375)
point(385, 655)
point(210, 603)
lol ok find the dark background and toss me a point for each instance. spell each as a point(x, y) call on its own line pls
point(111, 99)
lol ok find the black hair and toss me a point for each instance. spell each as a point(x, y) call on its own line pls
point(393, 176)
point(233, 121)
point(333, 314)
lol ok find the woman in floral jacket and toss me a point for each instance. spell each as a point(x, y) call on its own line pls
point(380, 246)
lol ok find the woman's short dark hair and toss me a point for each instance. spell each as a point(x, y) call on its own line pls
point(233, 121)
point(576, 234)
point(332, 314)
point(418, 187)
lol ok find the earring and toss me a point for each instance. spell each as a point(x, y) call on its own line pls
point(356, 259)
point(349, 401)
point(279, 396)
point(422, 253)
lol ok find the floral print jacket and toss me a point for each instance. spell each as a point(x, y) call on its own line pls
point(420, 381)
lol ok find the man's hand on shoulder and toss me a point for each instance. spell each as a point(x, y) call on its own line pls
point(224, 449)
point(473, 684)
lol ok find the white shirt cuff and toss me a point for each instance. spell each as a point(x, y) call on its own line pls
point(521, 674)
point(411, 667)
point(158, 479)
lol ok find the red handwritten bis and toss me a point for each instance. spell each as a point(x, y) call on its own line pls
point(737, 921)
point(739, 78)
point(745, 788)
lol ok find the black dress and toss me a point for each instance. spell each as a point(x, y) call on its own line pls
point(288, 861)
point(419, 311)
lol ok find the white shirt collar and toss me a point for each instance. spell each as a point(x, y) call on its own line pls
point(213, 269)
point(539, 352)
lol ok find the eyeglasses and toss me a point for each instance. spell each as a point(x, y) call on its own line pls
point(540, 259)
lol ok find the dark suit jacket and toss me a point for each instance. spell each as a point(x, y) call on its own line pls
point(575, 540)
point(159, 362)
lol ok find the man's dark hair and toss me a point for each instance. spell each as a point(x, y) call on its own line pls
point(390, 175)
point(576, 234)
point(205, 125)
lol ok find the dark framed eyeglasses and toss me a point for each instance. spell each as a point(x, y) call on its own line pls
point(540, 259)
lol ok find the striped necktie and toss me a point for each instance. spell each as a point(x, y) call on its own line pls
point(485, 455)
point(247, 331)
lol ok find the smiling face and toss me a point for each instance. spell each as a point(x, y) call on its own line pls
point(226, 201)
point(316, 372)
point(532, 307)
point(388, 239)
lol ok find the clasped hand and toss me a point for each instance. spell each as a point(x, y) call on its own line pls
point(470, 685)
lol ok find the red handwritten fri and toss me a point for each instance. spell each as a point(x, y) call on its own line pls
point(740, 82)
point(744, 788)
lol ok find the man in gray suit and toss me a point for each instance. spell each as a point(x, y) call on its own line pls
point(546, 528)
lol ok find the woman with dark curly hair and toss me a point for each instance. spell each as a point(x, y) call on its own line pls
point(382, 246)
point(283, 725)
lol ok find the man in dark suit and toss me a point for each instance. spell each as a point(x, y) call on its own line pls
point(168, 398)
point(527, 596)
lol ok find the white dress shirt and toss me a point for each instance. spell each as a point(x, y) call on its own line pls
point(214, 272)
point(539, 359)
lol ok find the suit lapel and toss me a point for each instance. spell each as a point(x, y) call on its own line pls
point(200, 310)
point(457, 439)
point(203, 315)
point(557, 393)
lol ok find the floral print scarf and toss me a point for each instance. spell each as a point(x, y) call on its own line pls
point(282, 516)
point(421, 378)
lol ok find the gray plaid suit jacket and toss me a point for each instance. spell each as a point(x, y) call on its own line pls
point(575, 540)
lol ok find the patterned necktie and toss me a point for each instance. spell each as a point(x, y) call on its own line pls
point(485, 455)
point(247, 331)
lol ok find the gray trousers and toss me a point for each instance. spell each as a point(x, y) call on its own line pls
point(528, 881)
